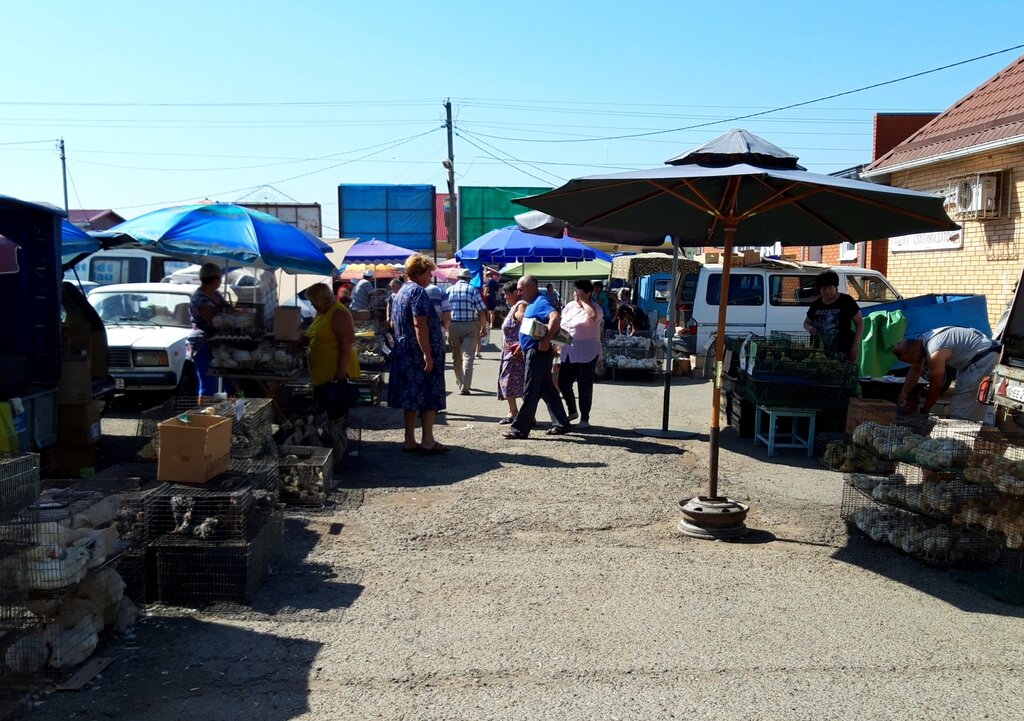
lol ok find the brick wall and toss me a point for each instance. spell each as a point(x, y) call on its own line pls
point(990, 260)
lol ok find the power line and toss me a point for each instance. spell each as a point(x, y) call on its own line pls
point(464, 135)
point(28, 142)
point(390, 146)
point(782, 107)
point(240, 104)
point(318, 158)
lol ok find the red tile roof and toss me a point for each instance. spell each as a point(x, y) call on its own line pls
point(84, 216)
point(991, 112)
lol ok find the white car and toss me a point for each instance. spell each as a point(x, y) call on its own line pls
point(147, 327)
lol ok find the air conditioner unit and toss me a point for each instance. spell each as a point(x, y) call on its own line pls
point(974, 197)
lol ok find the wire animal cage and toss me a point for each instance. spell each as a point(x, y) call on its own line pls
point(60, 589)
point(307, 475)
point(928, 540)
point(196, 572)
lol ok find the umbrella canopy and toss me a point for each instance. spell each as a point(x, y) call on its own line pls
point(377, 251)
point(510, 245)
point(740, 189)
point(538, 223)
point(587, 269)
point(354, 271)
point(743, 184)
point(223, 231)
point(75, 241)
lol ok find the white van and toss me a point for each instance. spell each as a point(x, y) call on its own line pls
point(127, 265)
point(766, 297)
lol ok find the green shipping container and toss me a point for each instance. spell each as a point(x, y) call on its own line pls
point(482, 209)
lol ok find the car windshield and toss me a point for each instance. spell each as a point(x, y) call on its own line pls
point(145, 307)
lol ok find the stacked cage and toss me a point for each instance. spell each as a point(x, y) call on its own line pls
point(212, 543)
point(304, 424)
point(253, 449)
point(60, 583)
point(905, 485)
point(995, 469)
point(307, 475)
point(793, 370)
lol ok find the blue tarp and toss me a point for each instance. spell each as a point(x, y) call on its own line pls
point(402, 215)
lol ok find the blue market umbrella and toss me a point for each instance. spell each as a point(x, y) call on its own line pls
point(75, 241)
point(226, 232)
point(375, 252)
point(512, 245)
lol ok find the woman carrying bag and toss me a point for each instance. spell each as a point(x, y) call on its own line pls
point(332, 362)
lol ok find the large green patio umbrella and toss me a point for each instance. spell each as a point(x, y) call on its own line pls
point(739, 189)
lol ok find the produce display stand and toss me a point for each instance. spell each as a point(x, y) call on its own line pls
point(630, 358)
point(787, 370)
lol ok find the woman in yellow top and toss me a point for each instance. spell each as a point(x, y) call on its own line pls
point(332, 361)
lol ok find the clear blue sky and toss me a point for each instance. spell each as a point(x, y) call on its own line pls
point(161, 103)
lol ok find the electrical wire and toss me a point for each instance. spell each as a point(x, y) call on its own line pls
point(318, 158)
point(391, 146)
point(780, 108)
point(463, 134)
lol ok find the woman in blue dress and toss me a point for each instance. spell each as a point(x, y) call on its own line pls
point(416, 380)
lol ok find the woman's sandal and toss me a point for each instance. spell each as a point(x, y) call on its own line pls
point(435, 450)
point(556, 431)
point(506, 420)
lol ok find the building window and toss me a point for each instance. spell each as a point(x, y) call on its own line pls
point(847, 252)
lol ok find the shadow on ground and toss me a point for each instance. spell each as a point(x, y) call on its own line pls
point(297, 584)
point(179, 668)
point(935, 582)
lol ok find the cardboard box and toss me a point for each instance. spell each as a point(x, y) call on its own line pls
point(287, 324)
point(714, 257)
point(750, 257)
point(681, 367)
point(869, 409)
point(75, 380)
point(75, 461)
point(79, 425)
point(193, 452)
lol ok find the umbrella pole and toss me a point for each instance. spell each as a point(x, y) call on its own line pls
point(664, 432)
point(716, 394)
point(715, 517)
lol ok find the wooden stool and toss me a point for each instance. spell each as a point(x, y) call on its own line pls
point(792, 438)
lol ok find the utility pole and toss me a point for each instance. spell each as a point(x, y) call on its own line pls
point(64, 171)
point(453, 206)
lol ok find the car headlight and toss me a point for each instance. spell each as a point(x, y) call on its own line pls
point(149, 358)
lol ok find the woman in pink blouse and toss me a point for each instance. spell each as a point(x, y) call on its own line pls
point(582, 319)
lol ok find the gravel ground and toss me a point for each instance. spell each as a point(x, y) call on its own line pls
point(544, 579)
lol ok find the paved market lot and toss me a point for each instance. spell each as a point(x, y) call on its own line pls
point(545, 580)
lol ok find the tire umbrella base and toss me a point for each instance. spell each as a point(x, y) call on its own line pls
point(713, 519)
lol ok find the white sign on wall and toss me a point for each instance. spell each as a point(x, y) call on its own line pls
point(940, 240)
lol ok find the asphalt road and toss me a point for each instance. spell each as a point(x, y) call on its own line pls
point(545, 579)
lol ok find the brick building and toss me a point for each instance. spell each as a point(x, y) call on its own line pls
point(973, 154)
